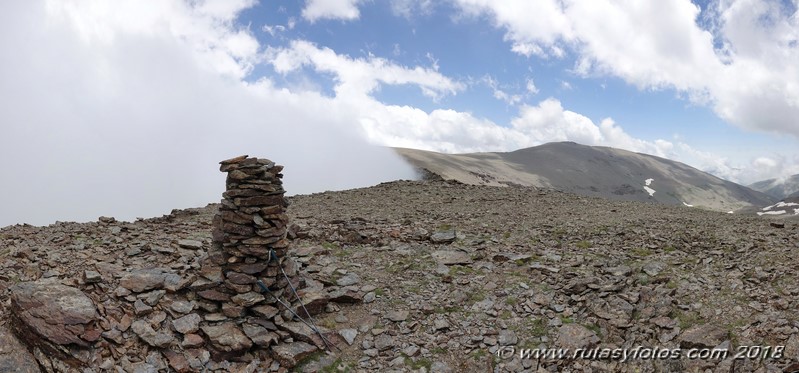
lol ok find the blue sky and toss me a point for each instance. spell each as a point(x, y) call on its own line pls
point(141, 98)
point(473, 49)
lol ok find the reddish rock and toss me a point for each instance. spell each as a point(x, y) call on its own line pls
point(14, 357)
point(233, 160)
point(53, 312)
point(290, 354)
point(273, 200)
point(313, 302)
point(177, 361)
point(226, 340)
point(703, 336)
point(249, 269)
point(345, 296)
point(192, 340)
point(143, 280)
point(214, 295)
point(91, 335)
point(240, 278)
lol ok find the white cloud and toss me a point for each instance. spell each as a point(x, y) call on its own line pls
point(499, 94)
point(345, 10)
point(743, 65)
point(410, 8)
point(531, 88)
point(127, 112)
point(532, 27)
point(359, 76)
point(273, 30)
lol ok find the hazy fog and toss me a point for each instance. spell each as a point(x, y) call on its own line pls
point(131, 123)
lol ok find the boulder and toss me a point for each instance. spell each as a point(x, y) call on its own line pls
point(52, 312)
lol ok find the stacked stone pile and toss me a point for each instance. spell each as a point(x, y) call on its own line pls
point(249, 244)
point(252, 224)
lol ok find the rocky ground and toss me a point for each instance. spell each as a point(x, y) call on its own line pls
point(417, 277)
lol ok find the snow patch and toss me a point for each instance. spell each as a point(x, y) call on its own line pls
point(729, 212)
point(649, 181)
point(649, 190)
point(687, 204)
point(780, 212)
point(796, 211)
point(780, 204)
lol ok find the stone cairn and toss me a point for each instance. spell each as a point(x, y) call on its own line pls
point(249, 244)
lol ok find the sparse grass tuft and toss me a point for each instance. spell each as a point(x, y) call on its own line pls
point(418, 363)
point(329, 245)
point(337, 367)
point(583, 244)
point(688, 319)
point(594, 328)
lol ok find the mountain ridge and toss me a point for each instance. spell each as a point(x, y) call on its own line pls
point(592, 171)
point(779, 188)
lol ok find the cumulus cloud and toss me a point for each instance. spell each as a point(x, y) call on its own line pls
point(532, 27)
point(738, 56)
point(345, 10)
point(360, 76)
point(127, 113)
point(450, 131)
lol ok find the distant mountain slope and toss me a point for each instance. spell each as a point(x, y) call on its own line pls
point(779, 188)
point(594, 171)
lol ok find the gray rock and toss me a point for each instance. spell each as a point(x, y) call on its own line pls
point(575, 336)
point(703, 336)
point(440, 367)
point(92, 277)
point(411, 350)
point(654, 268)
point(384, 342)
point(152, 298)
point(187, 324)
point(227, 339)
point(248, 299)
point(181, 306)
point(348, 335)
point(190, 244)
point(150, 336)
point(443, 237)
point(140, 308)
point(259, 335)
point(289, 354)
point(348, 279)
point(507, 338)
point(397, 316)
point(142, 280)
point(620, 271)
point(451, 257)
